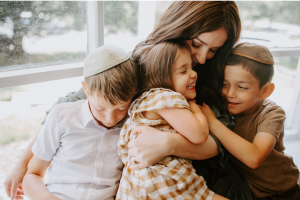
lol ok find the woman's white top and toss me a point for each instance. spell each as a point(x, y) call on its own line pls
point(84, 158)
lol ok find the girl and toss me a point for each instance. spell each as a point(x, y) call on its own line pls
point(161, 107)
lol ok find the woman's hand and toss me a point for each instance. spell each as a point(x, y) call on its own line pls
point(150, 147)
point(153, 145)
point(13, 183)
point(209, 114)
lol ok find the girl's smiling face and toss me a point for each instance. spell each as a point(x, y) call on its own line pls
point(184, 77)
point(205, 45)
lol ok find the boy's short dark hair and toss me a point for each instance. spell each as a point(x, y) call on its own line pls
point(119, 83)
point(262, 72)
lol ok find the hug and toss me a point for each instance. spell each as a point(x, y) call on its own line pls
point(185, 116)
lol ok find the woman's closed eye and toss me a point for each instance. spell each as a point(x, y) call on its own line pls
point(198, 45)
point(213, 51)
point(194, 45)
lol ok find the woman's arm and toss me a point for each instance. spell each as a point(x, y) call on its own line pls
point(251, 154)
point(33, 183)
point(153, 145)
point(15, 177)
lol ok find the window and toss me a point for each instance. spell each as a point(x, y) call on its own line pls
point(277, 26)
point(42, 33)
point(126, 23)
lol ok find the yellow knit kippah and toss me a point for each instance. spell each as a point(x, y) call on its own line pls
point(104, 58)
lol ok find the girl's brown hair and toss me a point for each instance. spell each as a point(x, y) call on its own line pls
point(185, 20)
point(156, 64)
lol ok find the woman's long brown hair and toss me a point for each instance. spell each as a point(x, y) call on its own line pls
point(185, 20)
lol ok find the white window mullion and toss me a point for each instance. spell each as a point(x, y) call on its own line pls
point(292, 124)
point(295, 106)
point(146, 18)
point(95, 24)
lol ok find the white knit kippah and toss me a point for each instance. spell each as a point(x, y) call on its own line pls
point(104, 58)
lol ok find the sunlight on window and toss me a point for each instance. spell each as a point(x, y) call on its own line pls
point(39, 32)
point(274, 25)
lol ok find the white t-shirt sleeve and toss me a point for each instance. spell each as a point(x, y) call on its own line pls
point(48, 140)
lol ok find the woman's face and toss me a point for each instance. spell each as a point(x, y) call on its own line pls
point(205, 45)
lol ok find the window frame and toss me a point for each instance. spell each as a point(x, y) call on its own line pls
point(95, 33)
point(292, 126)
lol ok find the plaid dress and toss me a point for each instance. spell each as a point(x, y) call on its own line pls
point(172, 177)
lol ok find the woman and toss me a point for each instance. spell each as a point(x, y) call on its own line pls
point(211, 28)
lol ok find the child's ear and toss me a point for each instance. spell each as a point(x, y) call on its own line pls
point(267, 90)
point(83, 85)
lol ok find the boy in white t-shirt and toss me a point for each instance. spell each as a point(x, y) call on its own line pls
point(78, 141)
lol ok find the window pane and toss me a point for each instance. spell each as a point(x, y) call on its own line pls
point(284, 78)
point(271, 23)
point(42, 32)
point(126, 23)
point(275, 24)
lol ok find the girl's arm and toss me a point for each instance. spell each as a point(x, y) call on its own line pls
point(251, 154)
point(153, 145)
point(192, 125)
point(33, 183)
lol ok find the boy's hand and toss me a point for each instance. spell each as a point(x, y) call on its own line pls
point(194, 107)
point(209, 114)
point(13, 183)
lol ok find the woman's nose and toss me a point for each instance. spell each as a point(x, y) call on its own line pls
point(202, 55)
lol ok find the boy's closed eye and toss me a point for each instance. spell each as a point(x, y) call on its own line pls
point(123, 109)
point(243, 88)
point(100, 109)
